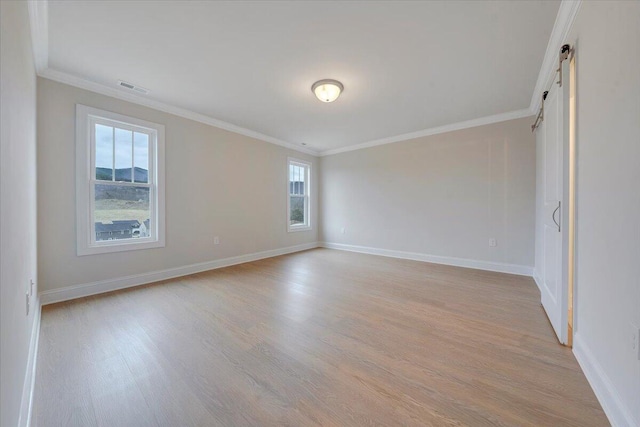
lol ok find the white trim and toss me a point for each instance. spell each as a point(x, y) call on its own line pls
point(123, 94)
point(85, 181)
point(39, 25)
point(605, 391)
point(522, 270)
point(503, 117)
point(86, 289)
point(26, 405)
point(114, 92)
point(564, 21)
point(307, 196)
point(538, 280)
point(296, 228)
point(39, 29)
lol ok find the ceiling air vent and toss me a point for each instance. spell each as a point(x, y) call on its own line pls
point(133, 87)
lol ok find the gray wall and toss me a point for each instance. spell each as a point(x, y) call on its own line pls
point(17, 205)
point(443, 195)
point(218, 183)
point(606, 36)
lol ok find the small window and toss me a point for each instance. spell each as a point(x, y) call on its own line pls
point(298, 187)
point(119, 182)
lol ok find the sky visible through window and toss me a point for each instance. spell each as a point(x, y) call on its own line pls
point(105, 154)
point(296, 173)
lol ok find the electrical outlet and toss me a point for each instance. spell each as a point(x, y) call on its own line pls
point(493, 242)
point(343, 230)
point(216, 240)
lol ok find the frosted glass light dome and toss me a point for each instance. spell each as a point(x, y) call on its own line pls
point(327, 90)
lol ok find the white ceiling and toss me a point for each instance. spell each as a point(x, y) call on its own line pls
point(406, 66)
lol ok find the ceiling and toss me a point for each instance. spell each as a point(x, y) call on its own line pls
point(406, 66)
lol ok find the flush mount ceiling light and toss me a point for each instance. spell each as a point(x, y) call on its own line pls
point(327, 90)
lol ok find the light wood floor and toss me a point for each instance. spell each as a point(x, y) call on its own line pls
point(321, 337)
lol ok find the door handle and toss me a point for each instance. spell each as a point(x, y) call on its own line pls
point(553, 216)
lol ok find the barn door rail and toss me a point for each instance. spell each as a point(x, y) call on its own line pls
point(540, 116)
point(564, 54)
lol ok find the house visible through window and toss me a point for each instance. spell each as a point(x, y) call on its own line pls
point(119, 193)
point(298, 217)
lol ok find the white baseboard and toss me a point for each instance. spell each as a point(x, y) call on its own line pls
point(618, 414)
point(600, 383)
point(538, 280)
point(28, 387)
point(83, 290)
point(522, 270)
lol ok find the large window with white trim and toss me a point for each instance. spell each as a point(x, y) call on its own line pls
point(298, 187)
point(119, 182)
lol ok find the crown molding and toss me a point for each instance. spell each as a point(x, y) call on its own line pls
point(79, 82)
point(39, 25)
point(503, 117)
point(38, 15)
point(564, 21)
point(114, 92)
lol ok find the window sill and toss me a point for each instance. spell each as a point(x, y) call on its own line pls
point(293, 229)
point(119, 247)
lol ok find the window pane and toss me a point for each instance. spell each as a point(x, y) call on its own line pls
point(301, 180)
point(297, 180)
point(124, 153)
point(296, 214)
point(291, 179)
point(104, 152)
point(121, 212)
point(140, 157)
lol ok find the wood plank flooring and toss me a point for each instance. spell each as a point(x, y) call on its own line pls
point(316, 338)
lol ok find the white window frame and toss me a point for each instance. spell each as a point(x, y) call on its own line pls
point(307, 195)
point(86, 244)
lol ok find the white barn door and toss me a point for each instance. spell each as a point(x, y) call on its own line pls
point(553, 137)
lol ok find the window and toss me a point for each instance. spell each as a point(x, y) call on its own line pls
point(298, 212)
point(119, 182)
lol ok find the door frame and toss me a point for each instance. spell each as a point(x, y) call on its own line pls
point(568, 179)
point(571, 199)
